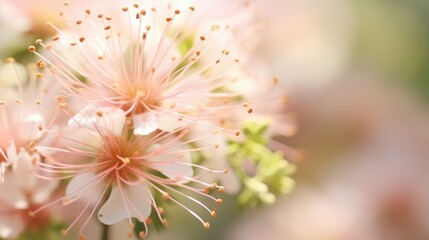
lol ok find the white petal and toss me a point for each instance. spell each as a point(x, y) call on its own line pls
point(11, 153)
point(173, 164)
point(138, 205)
point(85, 118)
point(14, 197)
point(80, 185)
point(42, 193)
point(22, 174)
point(101, 119)
point(10, 226)
point(113, 120)
point(31, 126)
point(169, 123)
point(145, 123)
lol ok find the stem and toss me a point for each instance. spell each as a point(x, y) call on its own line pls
point(105, 232)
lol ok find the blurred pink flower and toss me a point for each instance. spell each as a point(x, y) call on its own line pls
point(26, 107)
point(22, 192)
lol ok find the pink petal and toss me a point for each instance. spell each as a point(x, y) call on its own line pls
point(135, 203)
point(14, 197)
point(173, 164)
point(10, 226)
point(145, 123)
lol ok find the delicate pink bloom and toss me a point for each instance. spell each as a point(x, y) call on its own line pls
point(23, 192)
point(161, 75)
point(26, 107)
point(131, 167)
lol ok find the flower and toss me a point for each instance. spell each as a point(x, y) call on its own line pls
point(135, 169)
point(25, 192)
point(26, 107)
point(144, 63)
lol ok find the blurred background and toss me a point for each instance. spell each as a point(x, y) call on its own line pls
point(357, 72)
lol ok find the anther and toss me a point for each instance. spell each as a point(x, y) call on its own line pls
point(107, 28)
point(165, 196)
point(62, 105)
point(140, 93)
point(164, 221)
point(78, 22)
point(100, 16)
point(142, 234)
point(108, 18)
point(275, 80)
point(206, 225)
point(161, 210)
point(177, 11)
point(221, 189)
point(81, 39)
point(65, 3)
point(192, 8)
point(40, 63)
point(135, 5)
point(219, 201)
point(55, 38)
point(99, 113)
point(31, 49)
point(213, 213)
point(237, 133)
point(126, 160)
point(63, 232)
point(38, 41)
point(87, 11)
point(202, 38)
point(125, 9)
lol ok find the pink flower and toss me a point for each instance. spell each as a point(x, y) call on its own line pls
point(26, 108)
point(144, 63)
point(133, 168)
point(23, 192)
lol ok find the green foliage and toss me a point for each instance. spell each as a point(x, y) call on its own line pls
point(50, 232)
point(265, 174)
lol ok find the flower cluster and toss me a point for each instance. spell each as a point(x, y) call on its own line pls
point(131, 107)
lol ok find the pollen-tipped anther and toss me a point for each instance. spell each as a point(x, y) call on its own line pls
point(206, 225)
point(31, 49)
